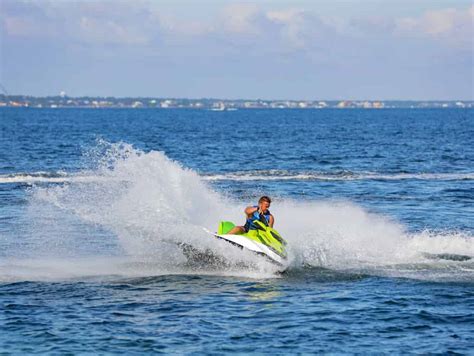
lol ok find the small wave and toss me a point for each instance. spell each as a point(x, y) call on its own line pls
point(331, 176)
point(47, 177)
point(261, 175)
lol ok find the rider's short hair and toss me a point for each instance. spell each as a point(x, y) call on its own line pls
point(265, 198)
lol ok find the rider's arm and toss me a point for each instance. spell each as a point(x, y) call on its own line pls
point(271, 221)
point(250, 210)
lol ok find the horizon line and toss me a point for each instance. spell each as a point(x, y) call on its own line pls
point(220, 99)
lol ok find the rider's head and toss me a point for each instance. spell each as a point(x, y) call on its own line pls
point(264, 203)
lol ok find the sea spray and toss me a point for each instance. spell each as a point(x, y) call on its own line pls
point(341, 235)
point(136, 207)
point(143, 198)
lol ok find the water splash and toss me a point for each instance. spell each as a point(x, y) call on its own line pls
point(130, 217)
point(345, 237)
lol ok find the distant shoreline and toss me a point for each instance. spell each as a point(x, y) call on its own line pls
point(64, 101)
point(243, 109)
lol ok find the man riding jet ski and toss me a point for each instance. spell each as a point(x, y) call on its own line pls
point(257, 212)
point(257, 234)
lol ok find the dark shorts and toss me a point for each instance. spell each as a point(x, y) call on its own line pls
point(246, 227)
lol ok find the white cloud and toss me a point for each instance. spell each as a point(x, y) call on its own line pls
point(141, 23)
point(241, 19)
point(439, 22)
point(293, 23)
point(175, 26)
point(120, 22)
point(109, 32)
point(450, 25)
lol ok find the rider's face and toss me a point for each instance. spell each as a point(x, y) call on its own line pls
point(264, 205)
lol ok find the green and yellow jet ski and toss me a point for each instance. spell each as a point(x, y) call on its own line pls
point(264, 240)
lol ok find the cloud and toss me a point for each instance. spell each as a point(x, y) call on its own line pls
point(125, 22)
point(290, 29)
point(109, 32)
point(452, 26)
point(294, 25)
point(109, 22)
point(172, 25)
point(242, 19)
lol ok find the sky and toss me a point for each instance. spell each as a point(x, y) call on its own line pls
point(280, 49)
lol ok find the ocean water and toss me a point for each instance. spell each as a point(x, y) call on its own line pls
point(377, 207)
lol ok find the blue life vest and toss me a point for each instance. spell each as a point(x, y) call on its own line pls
point(249, 225)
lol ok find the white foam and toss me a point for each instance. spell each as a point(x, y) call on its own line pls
point(342, 235)
point(283, 175)
point(269, 175)
point(37, 178)
point(139, 202)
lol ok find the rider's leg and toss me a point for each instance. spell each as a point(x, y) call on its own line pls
point(236, 230)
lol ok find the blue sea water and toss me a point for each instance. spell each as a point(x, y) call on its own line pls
point(376, 205)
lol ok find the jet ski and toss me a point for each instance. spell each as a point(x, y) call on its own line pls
point(264, 241)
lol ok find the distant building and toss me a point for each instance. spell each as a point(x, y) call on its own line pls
point(219, 106)
point(166, 103)
point(215, 104)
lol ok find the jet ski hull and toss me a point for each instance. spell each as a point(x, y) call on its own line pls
point(265, 242)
